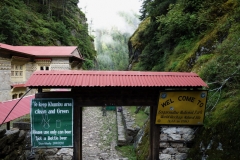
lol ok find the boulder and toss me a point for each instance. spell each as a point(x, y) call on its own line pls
point(2, 132)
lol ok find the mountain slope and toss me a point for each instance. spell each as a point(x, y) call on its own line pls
point(202, 37)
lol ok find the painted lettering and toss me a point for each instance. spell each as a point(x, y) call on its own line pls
point(59, 111)
point(38, 111)
point(186, 98)
point(167, 102)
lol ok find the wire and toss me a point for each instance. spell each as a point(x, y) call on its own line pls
point(15, 106)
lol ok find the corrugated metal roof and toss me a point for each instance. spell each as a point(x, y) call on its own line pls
point(21, 109)
point(114, 79)
point(18, 85)
point(43, 51)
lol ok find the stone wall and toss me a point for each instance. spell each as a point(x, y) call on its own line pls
point(15, 144)
point(60, 64)
point(127, 129)
point(12, 144)
point(5, 77)
point(131, 129)
point(174, 142)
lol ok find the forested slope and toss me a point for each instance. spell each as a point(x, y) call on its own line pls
point(201, 36)
point(46, 23)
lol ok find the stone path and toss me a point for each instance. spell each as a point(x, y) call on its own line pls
point(99, 135)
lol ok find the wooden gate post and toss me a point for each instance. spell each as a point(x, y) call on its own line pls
point(154, 134)
point(77, 128)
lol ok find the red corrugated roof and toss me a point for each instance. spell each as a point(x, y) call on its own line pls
point(21, 109)
point(114, 79)
point(43, 51)
point(18, 85)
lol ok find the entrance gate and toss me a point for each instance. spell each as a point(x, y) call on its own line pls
point(119, 88)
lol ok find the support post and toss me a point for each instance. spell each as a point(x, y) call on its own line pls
point(77, 126)
point(154, 135)
point(8, 125)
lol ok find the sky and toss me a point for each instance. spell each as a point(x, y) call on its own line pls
point(103, 13)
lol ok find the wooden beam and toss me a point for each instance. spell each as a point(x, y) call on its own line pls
point(154, 134)
point(77, 130)
point(90, 96)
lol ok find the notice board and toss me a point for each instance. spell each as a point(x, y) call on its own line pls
point(181, 107)
point(51, 123)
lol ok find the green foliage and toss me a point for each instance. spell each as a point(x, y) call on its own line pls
point(127, 151)
point(37, 23)
point(221, 126)
point(140, 117)
point(202, 37)
point(143, 149)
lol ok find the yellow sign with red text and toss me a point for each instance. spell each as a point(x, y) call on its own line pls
point(181, 107)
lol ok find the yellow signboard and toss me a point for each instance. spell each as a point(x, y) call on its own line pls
point(181, 107)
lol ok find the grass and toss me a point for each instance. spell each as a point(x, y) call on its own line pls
point(127, 151)
point(140, 117)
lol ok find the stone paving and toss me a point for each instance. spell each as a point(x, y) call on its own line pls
point(99, 135)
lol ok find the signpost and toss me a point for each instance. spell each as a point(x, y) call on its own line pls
point(52, 123)
point(181, 107)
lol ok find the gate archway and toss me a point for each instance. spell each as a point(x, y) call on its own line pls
point(120, 88)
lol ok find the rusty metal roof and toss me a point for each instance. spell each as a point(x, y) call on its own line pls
point(21, 109)
point(113, 79)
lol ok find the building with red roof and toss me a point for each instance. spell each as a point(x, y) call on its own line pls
point(17, 63)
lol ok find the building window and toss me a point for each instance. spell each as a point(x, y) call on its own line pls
point(20, 95)
point(44, 68)
point(17, 70)
point(14, 96)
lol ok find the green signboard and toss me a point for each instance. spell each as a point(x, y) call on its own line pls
point(52, 123)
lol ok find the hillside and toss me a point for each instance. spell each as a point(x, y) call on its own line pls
point(201, 36)
point(46, 23)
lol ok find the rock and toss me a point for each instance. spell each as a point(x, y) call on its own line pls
point(147, 110)
point(66, 157)
point(2, 132)
point(170, 151)
point(184, 130)
point(22, 136)
point(50, 151)
point(3, 142)
point(174, 137)
point(104, 155)
point(181, 156)
point(164, 145)
point(170, 130)
point(165, 157)
point(188, 137)
point(176, 145)
point(65, 151)
point(12, 135)
point(163, 137)
point(183, 149)
point(55, 157)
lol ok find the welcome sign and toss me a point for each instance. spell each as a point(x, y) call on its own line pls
point(52, 123)
point(181, 107)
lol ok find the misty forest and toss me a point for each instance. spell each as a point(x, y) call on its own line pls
point(201, 36)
